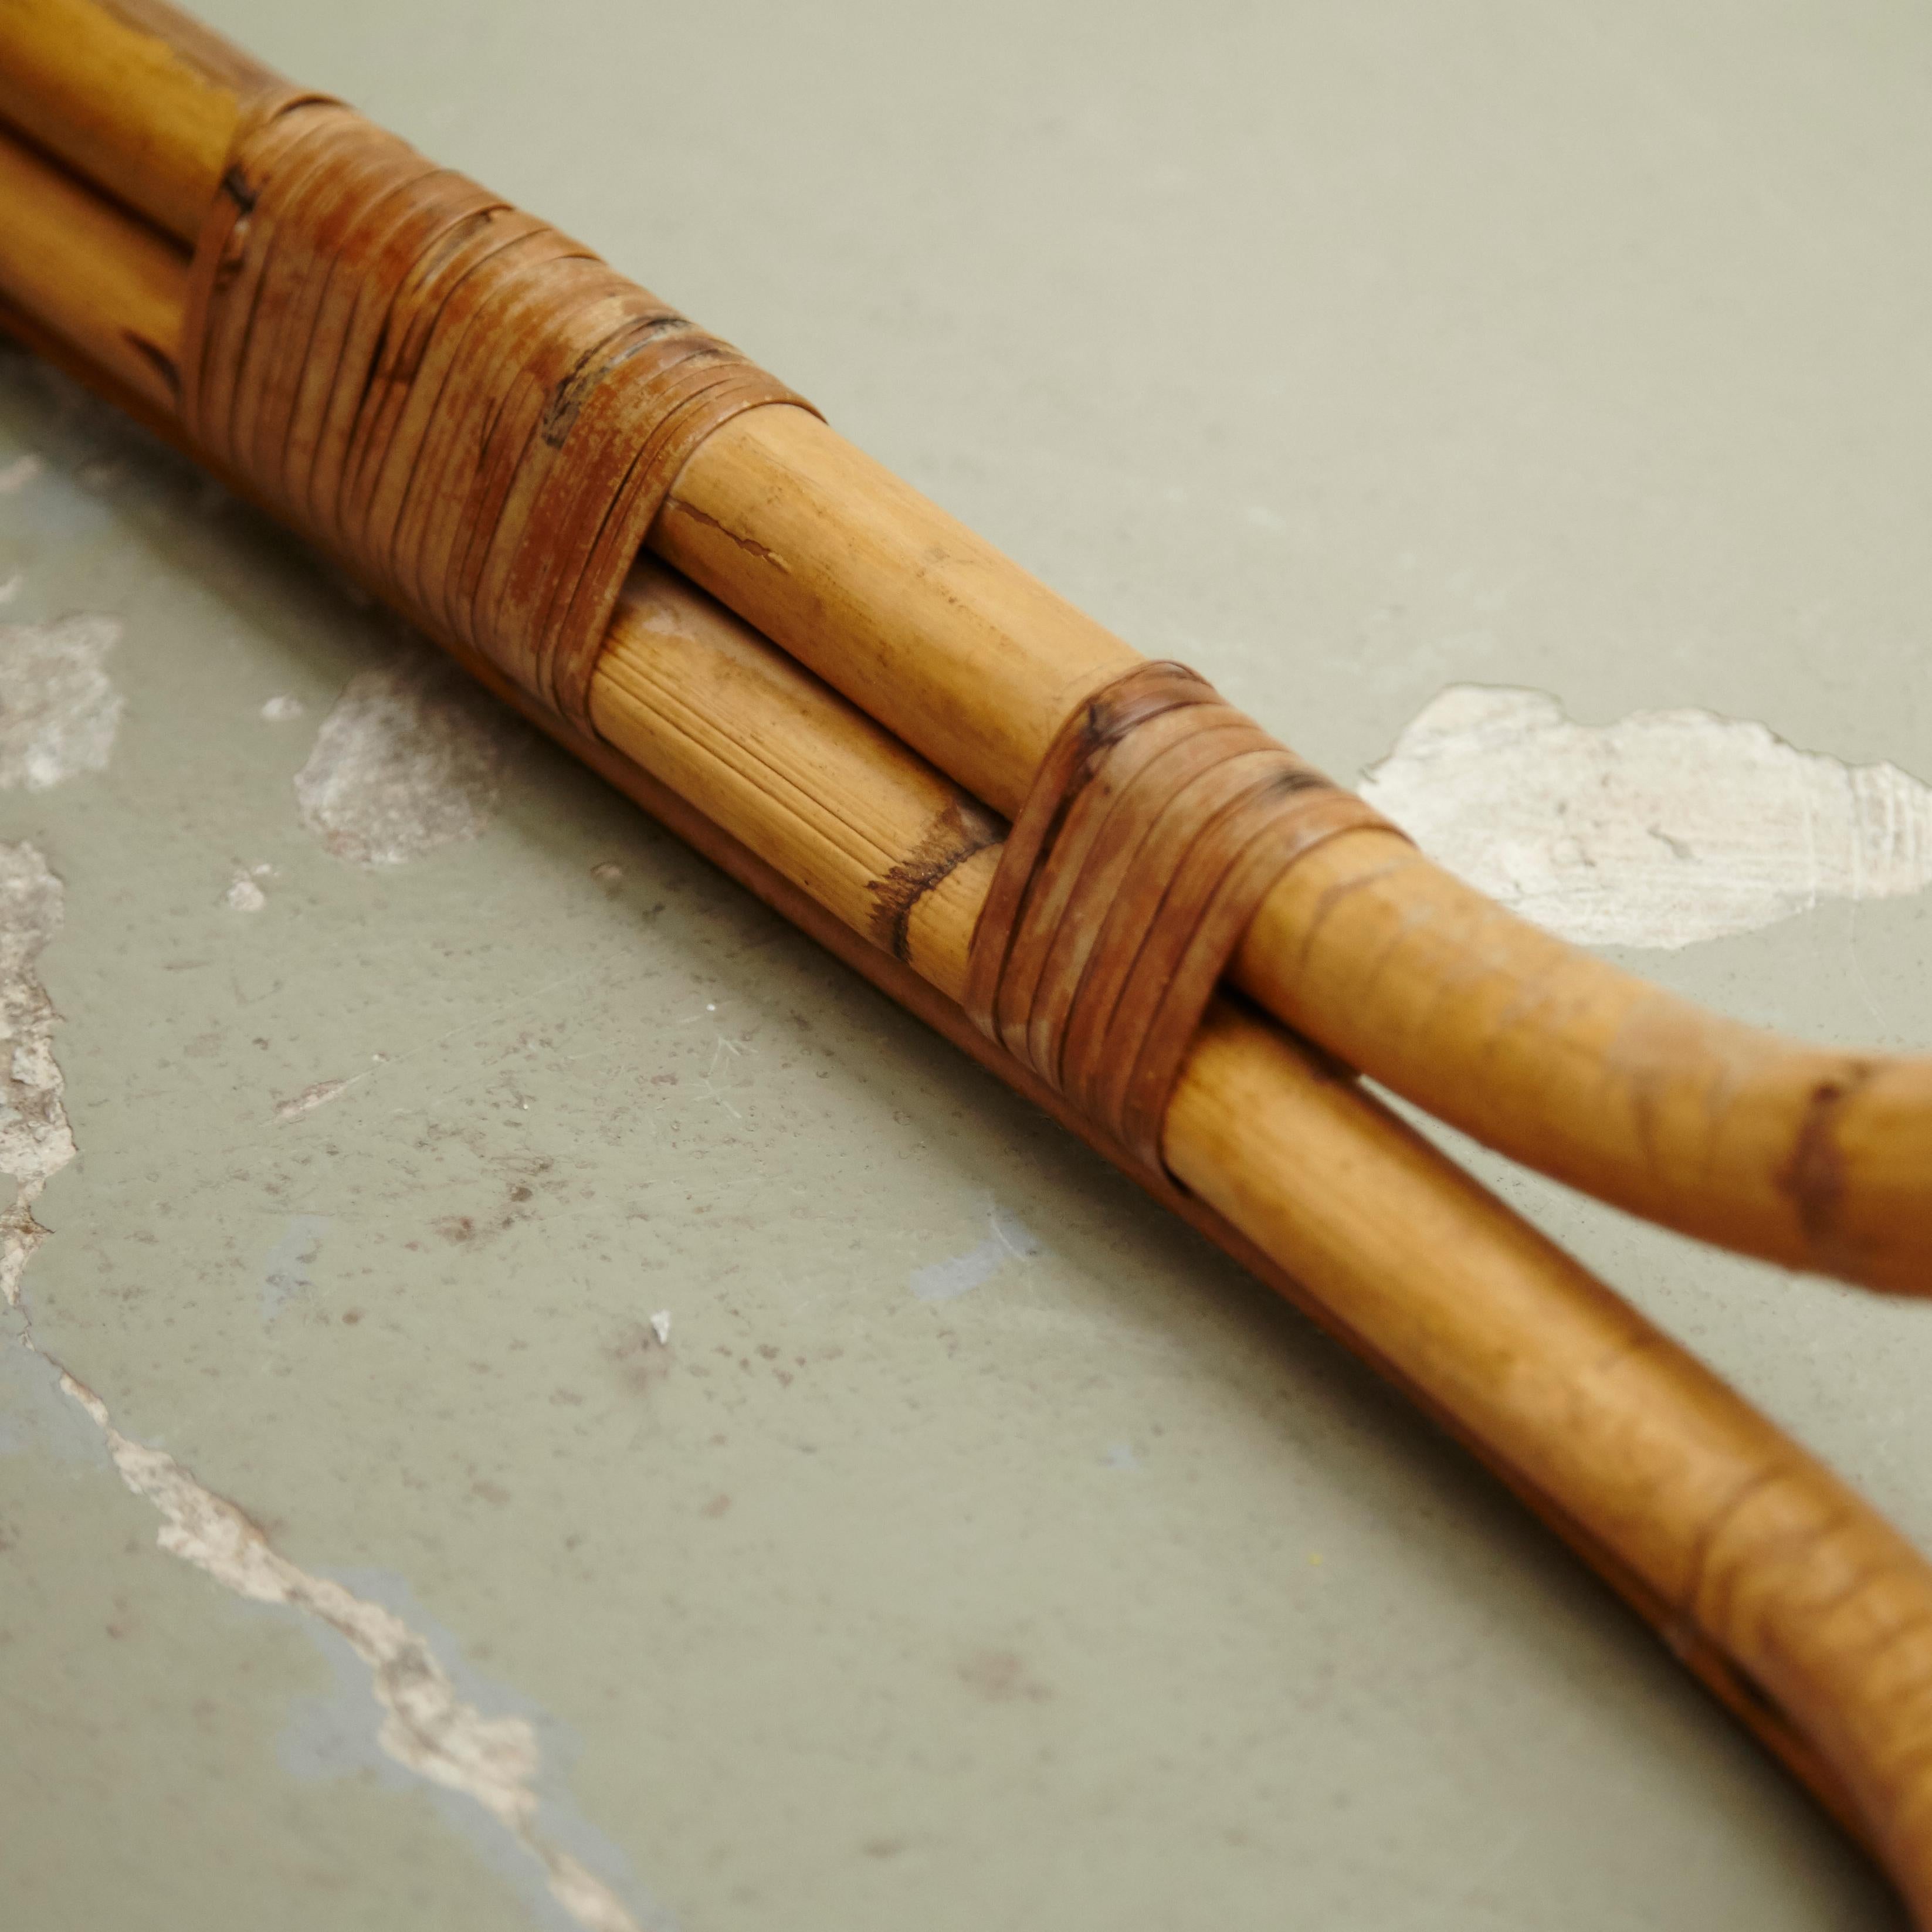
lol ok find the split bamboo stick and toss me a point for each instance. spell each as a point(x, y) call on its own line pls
point(1810, 1158)
point(1806, 1613)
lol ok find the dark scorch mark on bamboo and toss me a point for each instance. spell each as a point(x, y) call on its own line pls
point(953, 836)
point(1813, 1178)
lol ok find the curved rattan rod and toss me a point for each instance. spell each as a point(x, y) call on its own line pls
point(1814, 1159)
point(1789, 1598)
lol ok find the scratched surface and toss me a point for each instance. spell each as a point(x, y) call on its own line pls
point(576, 1415)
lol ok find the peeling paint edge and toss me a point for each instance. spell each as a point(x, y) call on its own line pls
point(427, 1728)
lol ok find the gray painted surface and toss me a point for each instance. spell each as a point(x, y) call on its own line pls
point(1350, 353)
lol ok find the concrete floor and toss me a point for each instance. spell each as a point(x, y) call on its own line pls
point(974, 1549)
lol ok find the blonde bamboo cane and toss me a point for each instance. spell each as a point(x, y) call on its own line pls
point(109, 286)
point(1779, 1588)
point(136, 97)
point(1813, 1158)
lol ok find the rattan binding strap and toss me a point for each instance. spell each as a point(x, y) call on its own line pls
point(481, 420)
point(1157, 823)
point(474, 414)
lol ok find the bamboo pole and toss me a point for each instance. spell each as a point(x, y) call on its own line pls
point(109, 286)
point(1794, 1602)
point(1812, 1159)
point(133, 95)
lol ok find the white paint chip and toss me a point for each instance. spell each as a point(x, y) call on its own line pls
point(426, 1726)
point(281, 710)
point(410, 758)
point(661, 1327)
point(310, 1098)
point(58, 708)
point(35, 1141)
point(1664, 829)
point(1008, 1238)
point(244, 894)
point(15, 475)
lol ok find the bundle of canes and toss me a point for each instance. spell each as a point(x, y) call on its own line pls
point(841, 696)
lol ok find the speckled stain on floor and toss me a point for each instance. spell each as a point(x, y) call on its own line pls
point(974, 1548)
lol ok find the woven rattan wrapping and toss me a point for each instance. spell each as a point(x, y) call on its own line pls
point(482, 420)
point(473, 412)
point(1158, 822)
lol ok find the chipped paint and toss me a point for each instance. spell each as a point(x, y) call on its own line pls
point(309, 1098)
point(1663, 830)
point(58, 708)
point(337, 1735)
point(660, 1328)
point(245, 893)
point(35, 1141)
point(425, 1726)
point(1007, 1239)
point(35, 1416)
point(409, 757)
point(282, 710)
